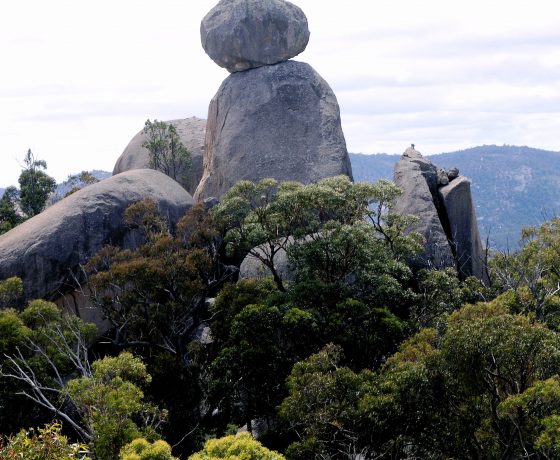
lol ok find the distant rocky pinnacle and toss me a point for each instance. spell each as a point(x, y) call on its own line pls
point(276, 118)
point(442, 201)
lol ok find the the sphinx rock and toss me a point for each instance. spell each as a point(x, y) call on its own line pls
point(47, 250)
point(446, 212)
point(418, 180)
point(280, 121)
point(244, 34)
point(190, 130)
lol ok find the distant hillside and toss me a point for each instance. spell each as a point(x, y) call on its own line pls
point(371, 168)
point(2, 192)
point(513, 187)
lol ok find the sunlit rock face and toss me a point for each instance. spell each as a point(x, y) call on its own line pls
point(272, 117)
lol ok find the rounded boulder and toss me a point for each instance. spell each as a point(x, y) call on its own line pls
point(245, 34)
point(191, 131)
point(46, 251)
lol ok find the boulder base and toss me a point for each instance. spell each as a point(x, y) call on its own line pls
point(280, 121)
point(252, 267)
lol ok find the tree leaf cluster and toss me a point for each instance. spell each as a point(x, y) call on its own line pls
point(166, 151)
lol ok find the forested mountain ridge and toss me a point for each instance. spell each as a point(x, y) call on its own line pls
point(513, 187)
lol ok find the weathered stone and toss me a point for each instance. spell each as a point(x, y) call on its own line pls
point(411, 152)
point(190, 130)
point(259, 427)
point(252, 267)
point(461, 215)
point(442, 177)
point(446, 212)
point(79, 303)
point(211, 202)
point(244, 34)
point(418, 180)
point(280, 121)
point(453, 174)
point(47, 250)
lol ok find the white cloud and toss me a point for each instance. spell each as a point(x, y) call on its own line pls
point(79, 79)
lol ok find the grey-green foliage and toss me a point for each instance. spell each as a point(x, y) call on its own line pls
point(167, 152)
point(9, 216)
point(486, 386)
point(76, 182)
point(35, 185)
point(333, 230)
point(110, 401)
point(10, 290)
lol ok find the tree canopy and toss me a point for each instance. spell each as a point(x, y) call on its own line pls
point(167, 152)
point(356, 355)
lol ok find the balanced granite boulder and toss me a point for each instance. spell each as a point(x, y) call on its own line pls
point(47, 250)
point(245, 34)
point(447, 218)
point(191, 132)
point(280, 121)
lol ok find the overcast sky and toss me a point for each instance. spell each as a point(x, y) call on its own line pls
point(78, 79)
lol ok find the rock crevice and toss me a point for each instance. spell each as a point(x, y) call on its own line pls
point(447, 219)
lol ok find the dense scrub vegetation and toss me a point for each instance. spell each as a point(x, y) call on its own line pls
point(353, 355)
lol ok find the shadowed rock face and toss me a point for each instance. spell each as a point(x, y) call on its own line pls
point(444, 205)
point(190, 130)
point(251, 267)
point(280, 121)
point(458, 203)
point(245, 34)
point(47, 250)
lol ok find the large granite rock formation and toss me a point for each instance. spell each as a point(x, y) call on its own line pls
point(244, 34)
point(47, 250)
point(280, 121)
point(447, 216)
point(190, 130)
point(418, 180)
